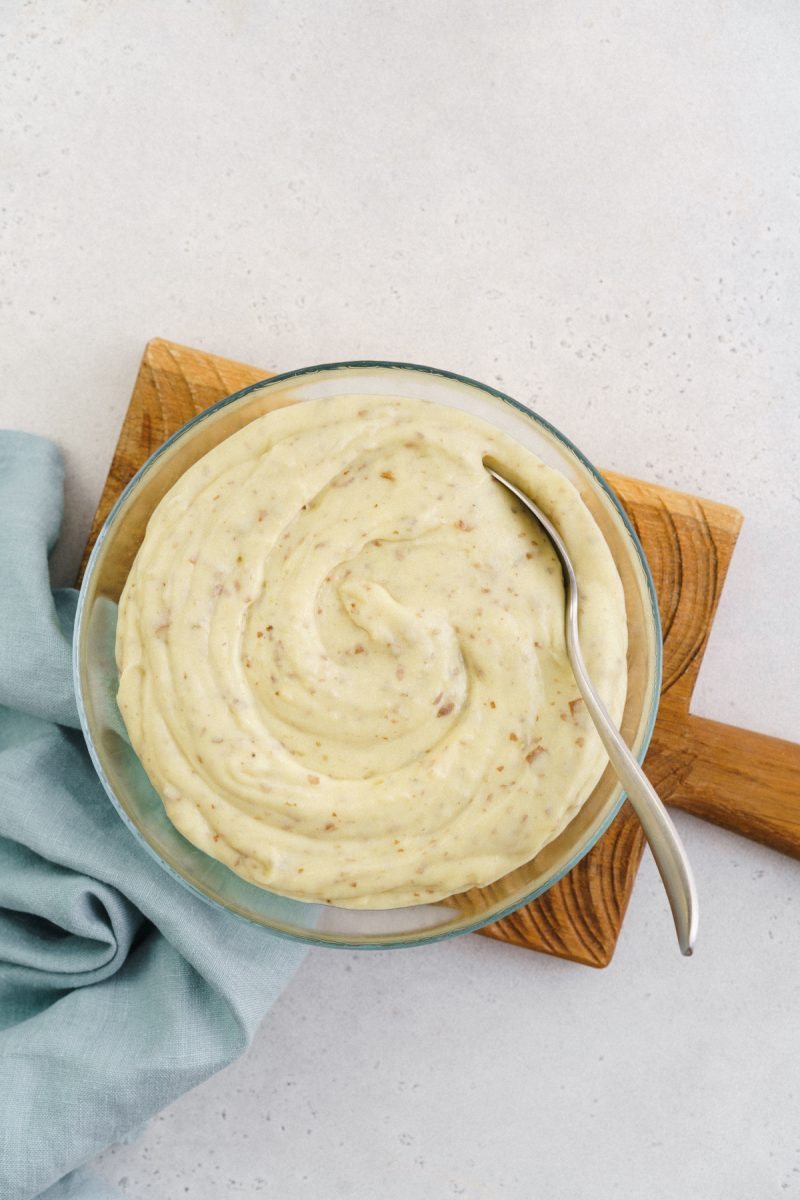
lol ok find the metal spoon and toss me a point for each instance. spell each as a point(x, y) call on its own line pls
point(661, 834)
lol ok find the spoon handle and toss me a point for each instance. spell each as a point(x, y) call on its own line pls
point(662, 836)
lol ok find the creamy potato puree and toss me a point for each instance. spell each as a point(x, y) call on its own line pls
point(342, 660)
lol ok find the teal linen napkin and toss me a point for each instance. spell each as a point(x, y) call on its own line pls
point(119, 989)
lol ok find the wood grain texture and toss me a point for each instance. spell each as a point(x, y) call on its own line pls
point(744, 781)
point(173, 385)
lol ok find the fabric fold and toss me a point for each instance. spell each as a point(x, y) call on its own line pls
point(119, 989)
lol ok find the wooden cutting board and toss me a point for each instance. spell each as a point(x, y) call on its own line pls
point(744, 781)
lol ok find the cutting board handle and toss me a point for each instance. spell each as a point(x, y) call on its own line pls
point(744, 781)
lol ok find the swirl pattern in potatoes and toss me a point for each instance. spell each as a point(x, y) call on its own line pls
point(342, 660)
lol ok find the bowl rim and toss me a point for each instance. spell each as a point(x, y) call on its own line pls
point(384, 941)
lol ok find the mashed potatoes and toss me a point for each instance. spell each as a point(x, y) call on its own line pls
point(342, 660)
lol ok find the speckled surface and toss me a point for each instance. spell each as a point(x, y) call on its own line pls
point(596, 206)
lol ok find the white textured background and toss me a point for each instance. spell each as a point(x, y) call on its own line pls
point(596, 206)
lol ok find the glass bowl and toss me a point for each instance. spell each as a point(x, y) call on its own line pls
point(124, 778)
